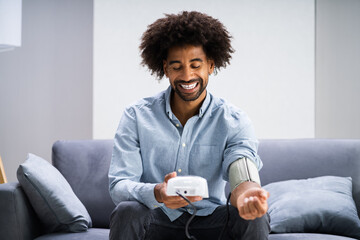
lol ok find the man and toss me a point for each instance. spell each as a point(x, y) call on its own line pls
point(186, 131)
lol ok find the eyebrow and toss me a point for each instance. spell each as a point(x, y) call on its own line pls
point(192, 60)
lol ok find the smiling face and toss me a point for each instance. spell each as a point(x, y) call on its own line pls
point(188, 70)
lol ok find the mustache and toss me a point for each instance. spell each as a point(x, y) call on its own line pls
point(187, 82)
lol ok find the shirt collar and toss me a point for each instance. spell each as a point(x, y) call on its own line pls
point(167, 98)
point(202, 110)
point(205, 104)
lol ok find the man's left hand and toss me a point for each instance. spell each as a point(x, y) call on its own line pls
point(250, 200)
point(252, 203)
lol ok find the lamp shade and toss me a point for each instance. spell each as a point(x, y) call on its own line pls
point(10, 24)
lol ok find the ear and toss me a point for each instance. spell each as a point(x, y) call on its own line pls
point(211, 66)
point(165, 68)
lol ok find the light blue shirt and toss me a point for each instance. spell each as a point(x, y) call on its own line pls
point(150, 142)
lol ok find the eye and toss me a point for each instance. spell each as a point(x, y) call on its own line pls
point(176, 67)
point(195, 66)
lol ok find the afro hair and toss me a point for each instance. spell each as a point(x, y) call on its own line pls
point(193, 28)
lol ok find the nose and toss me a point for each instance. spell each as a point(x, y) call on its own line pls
point(187, 74)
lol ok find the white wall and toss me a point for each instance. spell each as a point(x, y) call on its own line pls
point(271, 75)
point(338, 69)
point(46, 84)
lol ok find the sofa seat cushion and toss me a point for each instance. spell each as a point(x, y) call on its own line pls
point(307, 236)
point(103, 234)
point(90, 234)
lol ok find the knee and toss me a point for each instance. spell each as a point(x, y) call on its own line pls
point(265, 219)
point(262, 222)
point(257, 228)
point(129, 209)
point(257, 223)
point(127, 220)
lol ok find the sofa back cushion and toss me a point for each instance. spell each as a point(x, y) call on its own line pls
point(85, 165)
point(308, 158)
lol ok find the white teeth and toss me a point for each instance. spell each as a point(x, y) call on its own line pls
point(191, 86)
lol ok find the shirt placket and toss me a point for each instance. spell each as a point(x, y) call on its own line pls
point(182, 165)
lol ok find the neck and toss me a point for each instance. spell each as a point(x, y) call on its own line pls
point(184, 110)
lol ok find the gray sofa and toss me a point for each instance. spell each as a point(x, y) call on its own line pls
point(85, 166)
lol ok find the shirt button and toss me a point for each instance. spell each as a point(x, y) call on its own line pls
point(179, 170)
point(177, 125)
point(183, 144)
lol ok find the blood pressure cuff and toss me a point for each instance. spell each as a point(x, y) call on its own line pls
point(243, 170)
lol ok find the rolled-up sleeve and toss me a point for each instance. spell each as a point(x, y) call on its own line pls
point(241, 143)
point(126, 165)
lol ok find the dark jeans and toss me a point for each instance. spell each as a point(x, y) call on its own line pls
point(134, 221)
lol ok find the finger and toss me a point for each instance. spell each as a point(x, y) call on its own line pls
point(176, 201)
point(176, 205)
point(173, 199)
point(263, 195)
point(166, 198)
point(243, 212)
point(170, 175)
point(252, 206)
point(178, 198)
point(246, 207)
point(261, 207)
point(194, 198)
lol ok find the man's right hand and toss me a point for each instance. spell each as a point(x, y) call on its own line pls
point(172, 202)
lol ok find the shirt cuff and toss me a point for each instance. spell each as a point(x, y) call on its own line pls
point(148, 196)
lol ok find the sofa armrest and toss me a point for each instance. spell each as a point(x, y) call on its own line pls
point(18, 221)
